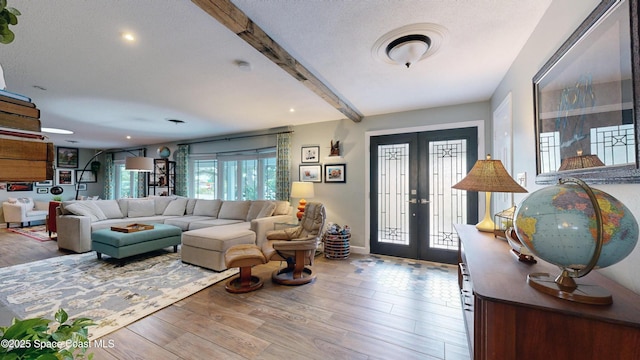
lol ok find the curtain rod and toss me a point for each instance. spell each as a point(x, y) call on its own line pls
point(237, 152)
point(235, 138)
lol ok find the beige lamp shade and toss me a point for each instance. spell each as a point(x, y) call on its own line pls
point(301, 190)
point(138, 163)
point(580, 162)
point(488, 176)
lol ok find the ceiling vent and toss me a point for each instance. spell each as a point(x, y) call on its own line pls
point(409, 44)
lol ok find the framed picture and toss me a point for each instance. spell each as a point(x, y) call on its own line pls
point(586, 101)
point(81, 187)
point(65, 177)
point(310, 154)
point(42, 190)
point(88, 176)
point(335, 173)
point(312, 173)
point(20, 186)
point(67, 157)
point(46, 183)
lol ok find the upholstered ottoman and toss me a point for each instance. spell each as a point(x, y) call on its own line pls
point(206, 247)
point(120, 245)
point(244, 257)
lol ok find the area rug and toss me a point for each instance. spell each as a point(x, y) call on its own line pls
point(38, 232)
point(110, 293)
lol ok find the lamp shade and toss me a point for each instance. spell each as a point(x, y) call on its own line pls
point(302, 189)
point(138, 163)
point(580, 162)
point(489, 176)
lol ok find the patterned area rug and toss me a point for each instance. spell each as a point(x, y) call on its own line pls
point(38, 232)
point(113, 295)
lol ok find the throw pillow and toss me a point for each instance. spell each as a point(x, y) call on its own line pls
point(234, 210)
point(12, 200)
point(254, 209)
point(267, 210)
point(175, 208)
point(110, 208)
point(207, 207)
point(282, 207)
point(140, 208)
point(86, 208)
point(161, 203)
point(191, 204)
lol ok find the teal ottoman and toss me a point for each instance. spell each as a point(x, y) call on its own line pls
point(120, 245)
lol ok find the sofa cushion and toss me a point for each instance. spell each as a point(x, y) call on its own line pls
point(110, 208)
point(205, 207)
point(235, 210)
point(215, 222)
point(139, 208)
point(176, 207)
point(86, 208)
point(191, 204)
point(282, 207)
point(218, 239)
point(183, 222)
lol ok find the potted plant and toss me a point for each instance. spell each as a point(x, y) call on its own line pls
point(8, 16)
point(35, 339)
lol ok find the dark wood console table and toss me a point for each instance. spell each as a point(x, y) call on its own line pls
point(508, 319)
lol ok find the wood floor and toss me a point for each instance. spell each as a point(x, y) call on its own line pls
point(364, 307)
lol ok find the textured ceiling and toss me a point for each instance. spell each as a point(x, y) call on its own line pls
point(182, 65)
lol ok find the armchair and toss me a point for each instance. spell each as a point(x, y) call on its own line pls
point(24, 210)
point(296, 246)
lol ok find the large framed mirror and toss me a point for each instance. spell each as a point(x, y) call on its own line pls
point(586, 99)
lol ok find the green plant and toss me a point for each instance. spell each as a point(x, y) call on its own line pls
point(35, 339)
point(8, 16)
point(57, 198)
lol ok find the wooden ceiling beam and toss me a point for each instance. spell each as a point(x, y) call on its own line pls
point(237, 21)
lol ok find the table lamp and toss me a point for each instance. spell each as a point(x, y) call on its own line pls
point(301, 190)
point(488, 176)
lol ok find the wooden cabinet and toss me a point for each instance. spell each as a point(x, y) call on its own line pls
point(508, 319)
point(162, 181)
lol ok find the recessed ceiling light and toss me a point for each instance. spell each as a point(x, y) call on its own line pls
point(56, 131)
point(292, 110)
point(129, 137)
point(128, 36)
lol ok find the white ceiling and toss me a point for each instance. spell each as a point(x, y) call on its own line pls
point(182, 65)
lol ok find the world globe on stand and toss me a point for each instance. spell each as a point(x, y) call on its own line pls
point(559, 224)
point(164, 152)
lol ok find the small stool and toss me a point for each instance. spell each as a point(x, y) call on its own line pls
point(244, 256)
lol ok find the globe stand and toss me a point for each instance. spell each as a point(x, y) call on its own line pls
point(564, 286)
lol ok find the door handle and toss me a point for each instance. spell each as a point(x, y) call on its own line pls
point(424, 201)
point(413, 201)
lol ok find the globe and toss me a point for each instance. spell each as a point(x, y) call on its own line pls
point(559, 224)
point(164, 152)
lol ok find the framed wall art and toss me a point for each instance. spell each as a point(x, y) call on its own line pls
point(81, 187)
point(20, 186)
point(586, 99)
point(42, 190)
point(312, 173)
point(65, 177)
point(46, 183)
point(67, 157)
point(335, 173)
point(310, 154)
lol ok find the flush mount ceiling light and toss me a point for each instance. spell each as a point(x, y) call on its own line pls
point(409, 44)
point(176, 121)
point(243, 65)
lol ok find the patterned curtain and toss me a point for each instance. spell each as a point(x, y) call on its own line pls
point(141, 190)
point(283, 169)
point(182, 165)
point(109, 178)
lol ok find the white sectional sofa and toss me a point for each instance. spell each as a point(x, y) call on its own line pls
point(217, 224)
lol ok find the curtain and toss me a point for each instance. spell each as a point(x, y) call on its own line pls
point(182, 164)
point(283, 167)
point(109, 178)
point(141, 180)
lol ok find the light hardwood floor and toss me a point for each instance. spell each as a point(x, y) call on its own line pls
point(364, 307)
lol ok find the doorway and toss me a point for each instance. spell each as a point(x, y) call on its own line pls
point(412, 205)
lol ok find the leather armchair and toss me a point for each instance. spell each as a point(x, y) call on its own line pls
point(296, 246)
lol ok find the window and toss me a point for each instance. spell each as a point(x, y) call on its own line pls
point(125, 184)
point(240, 176)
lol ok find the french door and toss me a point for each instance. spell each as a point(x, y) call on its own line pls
point(413, 207)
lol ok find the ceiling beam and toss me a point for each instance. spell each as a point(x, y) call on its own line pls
point(237, 21)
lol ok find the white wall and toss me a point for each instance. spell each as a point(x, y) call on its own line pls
point(560, 20)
